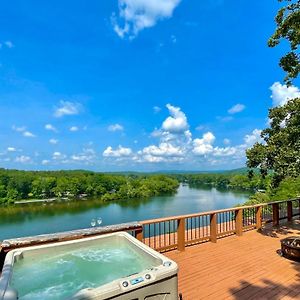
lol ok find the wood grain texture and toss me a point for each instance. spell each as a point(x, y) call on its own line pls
point(245, 267)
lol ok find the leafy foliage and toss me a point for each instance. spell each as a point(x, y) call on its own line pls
point(288, 27)
point(289, 188)
point(240, 181)
point(281, 150)
point(16, 185)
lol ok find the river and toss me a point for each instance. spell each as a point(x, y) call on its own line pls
point(26, 220)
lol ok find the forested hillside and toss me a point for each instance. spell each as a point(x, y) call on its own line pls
point(233, 180)
point(16, 185)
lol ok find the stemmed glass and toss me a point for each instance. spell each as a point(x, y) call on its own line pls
point(93, 222)
point(99, 221)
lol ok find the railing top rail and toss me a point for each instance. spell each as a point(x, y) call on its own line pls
point(280, 201)
point(207, 213)
point(68, 235)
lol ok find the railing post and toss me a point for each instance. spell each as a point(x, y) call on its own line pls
point(139, 234)
point(239, 222)
point(290, 211)
point(213, 228)
point(258, 217)
point(275, 207)
point(181, 234)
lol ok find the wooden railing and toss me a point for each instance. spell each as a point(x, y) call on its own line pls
point(10, 244)
point(180, 231)
point(15, 243)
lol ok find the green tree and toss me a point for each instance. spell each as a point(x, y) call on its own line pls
point(3, 191)
point(288, 27)
point(280, 151)
point(288, 188)
point(13, 194)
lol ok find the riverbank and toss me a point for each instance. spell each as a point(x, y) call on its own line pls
point(34, 219)
point(31, 201)
point(16, 186)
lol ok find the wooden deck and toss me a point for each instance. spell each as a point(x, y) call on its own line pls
point(246, 267)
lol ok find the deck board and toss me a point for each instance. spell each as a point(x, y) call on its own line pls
point(246, 267)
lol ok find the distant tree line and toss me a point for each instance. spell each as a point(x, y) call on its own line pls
point(226, 180)
point(22, 185)
point(261, 184)
point(26, 185)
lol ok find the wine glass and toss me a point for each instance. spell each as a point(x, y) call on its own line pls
point(99, 221)
point(93, 223)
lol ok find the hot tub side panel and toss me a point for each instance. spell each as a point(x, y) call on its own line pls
point(165, 289)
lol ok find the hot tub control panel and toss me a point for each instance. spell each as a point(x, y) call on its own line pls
point(136, 280)
point(142, 279)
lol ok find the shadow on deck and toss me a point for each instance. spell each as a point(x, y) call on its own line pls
point(246, 267)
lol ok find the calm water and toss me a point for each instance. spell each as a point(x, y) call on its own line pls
point(38, 219)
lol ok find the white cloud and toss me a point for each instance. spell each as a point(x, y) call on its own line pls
point(136, 15)
point(45, 162)
point(148, 158)
point(23, 159)
point(50, 127)
point(200, 127)
point(177, 146)
point(9, 44)
point(19, 129)
point(236, 108)
point(156, 133)
point(226, 141)
point(204, 146)
point(119, 152)
point(225, 119)
point(87, 156)
point(156, 109)
point(285, 121)
point(251, 139)
point(78, 157)
point(11, 149)
point(164, 149)
point(174, 140)
point(74, 128)
point(28, 134)
point(173, 39)
point(25, 132)
point(221, 155)
point(281, 93)
point(115, 127)
point(58, 155)
point(67, 108)
point(177, 122)
point(53, 141)
point(226, 151)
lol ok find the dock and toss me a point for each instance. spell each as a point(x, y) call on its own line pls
point(31, 201)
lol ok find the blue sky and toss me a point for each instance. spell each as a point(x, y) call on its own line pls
point(136, 84)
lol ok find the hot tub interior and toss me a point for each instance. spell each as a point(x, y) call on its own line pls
point(60, 272)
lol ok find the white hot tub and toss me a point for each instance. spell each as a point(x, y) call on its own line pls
point(111, 266)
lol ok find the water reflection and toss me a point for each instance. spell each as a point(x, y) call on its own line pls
point(16, 221)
